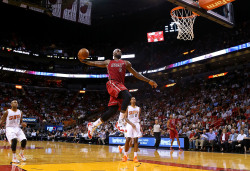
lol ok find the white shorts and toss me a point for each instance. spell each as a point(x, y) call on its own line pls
point(134, 133)
point(14, 132)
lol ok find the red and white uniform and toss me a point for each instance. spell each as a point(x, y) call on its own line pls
point(13, 129)
point(116, 70)
point(173, 133)
point(133, 116)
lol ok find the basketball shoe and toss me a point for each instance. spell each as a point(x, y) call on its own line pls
point(91, 129)
point(22, 157)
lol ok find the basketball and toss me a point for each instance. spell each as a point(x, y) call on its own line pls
point(83, 54)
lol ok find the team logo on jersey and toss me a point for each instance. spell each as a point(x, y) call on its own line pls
point(14, 117)
point(116, 65)
point(132, 112)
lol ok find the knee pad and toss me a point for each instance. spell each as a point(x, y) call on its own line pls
point(13, 144)
point(108, 114)
point(23, 143)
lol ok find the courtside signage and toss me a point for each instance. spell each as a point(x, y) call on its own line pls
point(147, 141)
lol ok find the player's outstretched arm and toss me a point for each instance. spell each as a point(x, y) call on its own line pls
point(139, 76)
point(3, 119)
point(101, 64)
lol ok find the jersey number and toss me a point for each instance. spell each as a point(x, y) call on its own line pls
point(14, 117)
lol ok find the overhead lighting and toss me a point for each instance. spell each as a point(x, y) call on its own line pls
point(170, 85)
point(82, 91)
point(185, 53)
point(218, 75)
point(133, 90)
point(19, 87)
point(100, 58)
point(128, 56)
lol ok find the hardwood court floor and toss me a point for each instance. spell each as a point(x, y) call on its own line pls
point(58, 156)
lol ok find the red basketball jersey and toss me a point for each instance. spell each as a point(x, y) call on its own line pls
point(117, 70)
point(172, 123)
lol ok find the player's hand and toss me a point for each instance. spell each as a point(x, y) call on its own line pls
point(133, 126)
point(172, 129)
point(153, 83)
point(24, 124)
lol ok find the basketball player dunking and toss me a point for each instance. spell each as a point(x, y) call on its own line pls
point(119, 94)
point(14, 119)
point(171, 125)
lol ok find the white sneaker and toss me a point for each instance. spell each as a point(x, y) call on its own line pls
point(22, 157)
point(120, 125)
point(91, 129)
point(14, 160)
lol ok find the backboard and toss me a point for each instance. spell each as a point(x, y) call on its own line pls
point(223, 15)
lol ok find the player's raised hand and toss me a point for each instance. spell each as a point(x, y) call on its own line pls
point(153, 83)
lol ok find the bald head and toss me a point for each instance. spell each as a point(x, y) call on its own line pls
point(117, 53)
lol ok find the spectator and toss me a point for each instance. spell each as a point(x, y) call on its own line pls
point(102, 137)
point(33, 135)
point(196, 138)
point(203, 140)
point(223, 143)
point(246, 142)
point(211, 138)
point(192, 140)
point(240, 138)
point(232, 140)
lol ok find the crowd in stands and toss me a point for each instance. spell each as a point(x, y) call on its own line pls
point(213, 113)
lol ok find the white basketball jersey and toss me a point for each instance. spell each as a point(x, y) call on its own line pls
point(13, 118)
point(133, 114)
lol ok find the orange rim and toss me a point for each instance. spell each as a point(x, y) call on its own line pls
point(178, 8)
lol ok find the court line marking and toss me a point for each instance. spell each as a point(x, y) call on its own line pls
point(190, 166)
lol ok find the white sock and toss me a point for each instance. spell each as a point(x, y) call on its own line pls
point(179, 146)
point(126, 154)
point(21, 152)
point(97, 122)
point(135, 154)
point(14, 155)
point(121, 116)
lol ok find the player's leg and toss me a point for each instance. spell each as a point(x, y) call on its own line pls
point(12, 138)
point(135, 149)
point(128, 141)
point(178, 141)
point(137, 134)
point(126, 97)
point(125, 157)
point(13, 148)
point(172, 141)
point(22, 138)
point(171, 136)
point(108, 114)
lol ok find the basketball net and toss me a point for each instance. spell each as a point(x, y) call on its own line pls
point(184, 20)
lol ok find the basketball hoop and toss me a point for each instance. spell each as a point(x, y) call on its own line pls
point(184, 20)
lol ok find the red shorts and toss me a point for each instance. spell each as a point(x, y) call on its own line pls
point(173, 134)
point(114, 88)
